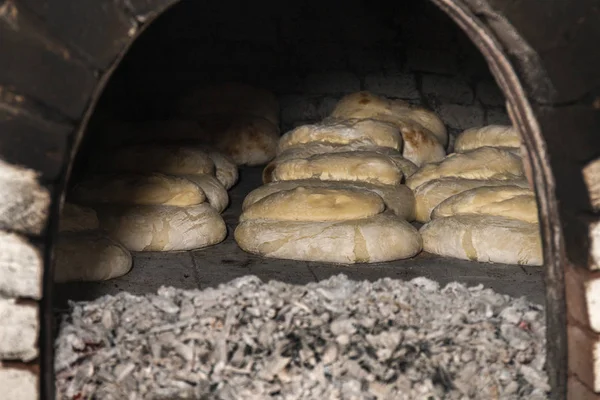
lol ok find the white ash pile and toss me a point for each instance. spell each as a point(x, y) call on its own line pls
point(336, 339)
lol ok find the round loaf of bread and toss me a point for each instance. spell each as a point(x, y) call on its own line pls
point(366, 103)
point(484, 238)
point(213, 189)
point(491, 135)
point(163, 228)
point(399, 199)
point(245, 139)
point(315, 204)
point(361, 166)
point(367, 131)
point(162, 158)
point(76, 218)
point(483, 163)
point(420, 146)
point(310, 149)
point(432, 193)
point(428, 120)
point(226, 170)
point(230, 98)
point(504, 201)
point(132, 189)
point(383, 237)
point(89, 256)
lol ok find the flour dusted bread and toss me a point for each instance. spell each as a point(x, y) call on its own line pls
point(151, 189)
point(89, 256)
point(505, 201)
point(491, 135)
point(363, 105)
point(484, 238)
point(314, 148)
point(380, 238)
point(163, 158)
point(367, 131)
point(225, 169)
point(483, 163)
point(246, 139)
point(432, 193)
point(420, 146)
point(163, 228)
point(76, 218)
point(316, 204)
point(399, 199)
point(230, 98)
point(213, 189)
point(363, 166)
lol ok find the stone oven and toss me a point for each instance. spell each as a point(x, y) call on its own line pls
point(64, 68)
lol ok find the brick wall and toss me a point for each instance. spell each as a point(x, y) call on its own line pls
point(311, 53)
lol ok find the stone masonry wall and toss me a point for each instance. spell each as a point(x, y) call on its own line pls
point(311, 54)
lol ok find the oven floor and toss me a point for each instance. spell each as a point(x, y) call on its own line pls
point(221, 263)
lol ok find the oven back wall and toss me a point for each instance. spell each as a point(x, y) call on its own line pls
point(310, 53)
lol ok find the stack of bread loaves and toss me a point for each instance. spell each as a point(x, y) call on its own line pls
point(477, 203)
point(238, 120)
point(335, 191)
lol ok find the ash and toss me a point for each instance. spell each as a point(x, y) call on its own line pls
point(336, 339)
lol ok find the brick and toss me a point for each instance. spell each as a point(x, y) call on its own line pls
point(495, 116)
point(595, 245)
point(436, 61)
point(373, 59)
point(489, 94)
point(403, 86)
point(326, 106)
point(21, 267)
point(591, 175)
point(584, 356)
point(319, 57)
point(447, 89)
point(461, 117)
point(18, 331)
point(19, 384)
point(332, 82)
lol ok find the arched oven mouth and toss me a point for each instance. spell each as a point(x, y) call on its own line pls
point(282, 321)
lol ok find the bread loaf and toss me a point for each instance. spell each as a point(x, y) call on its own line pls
point(432, 193)
point(491, 135)
point(505, 201)
point(365, 166)
point(380, 238)
point(484, 238)
point(131, 189)
point(315, 204)
point(76, 218)
point(89, 256)
point(367, 131)
point(399, 199)
point(483, 163)
point(215, 193)
point(163, 228)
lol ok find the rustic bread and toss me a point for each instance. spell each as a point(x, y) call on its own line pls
point(213, 189)
point(310, 149)
point(432, 193)
point(230, 98)
point(383, 237)
point(361, 166)
point(131, 189)
point(491, 135)
point(334, 132)
point(399, 199)
point(505, 201)
point(316, 204)
point(226, 170)
point(76, 218)
point(246, 139)
point(163, 228)
point(484, 238)
point(482, 163)
point(89, 256)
